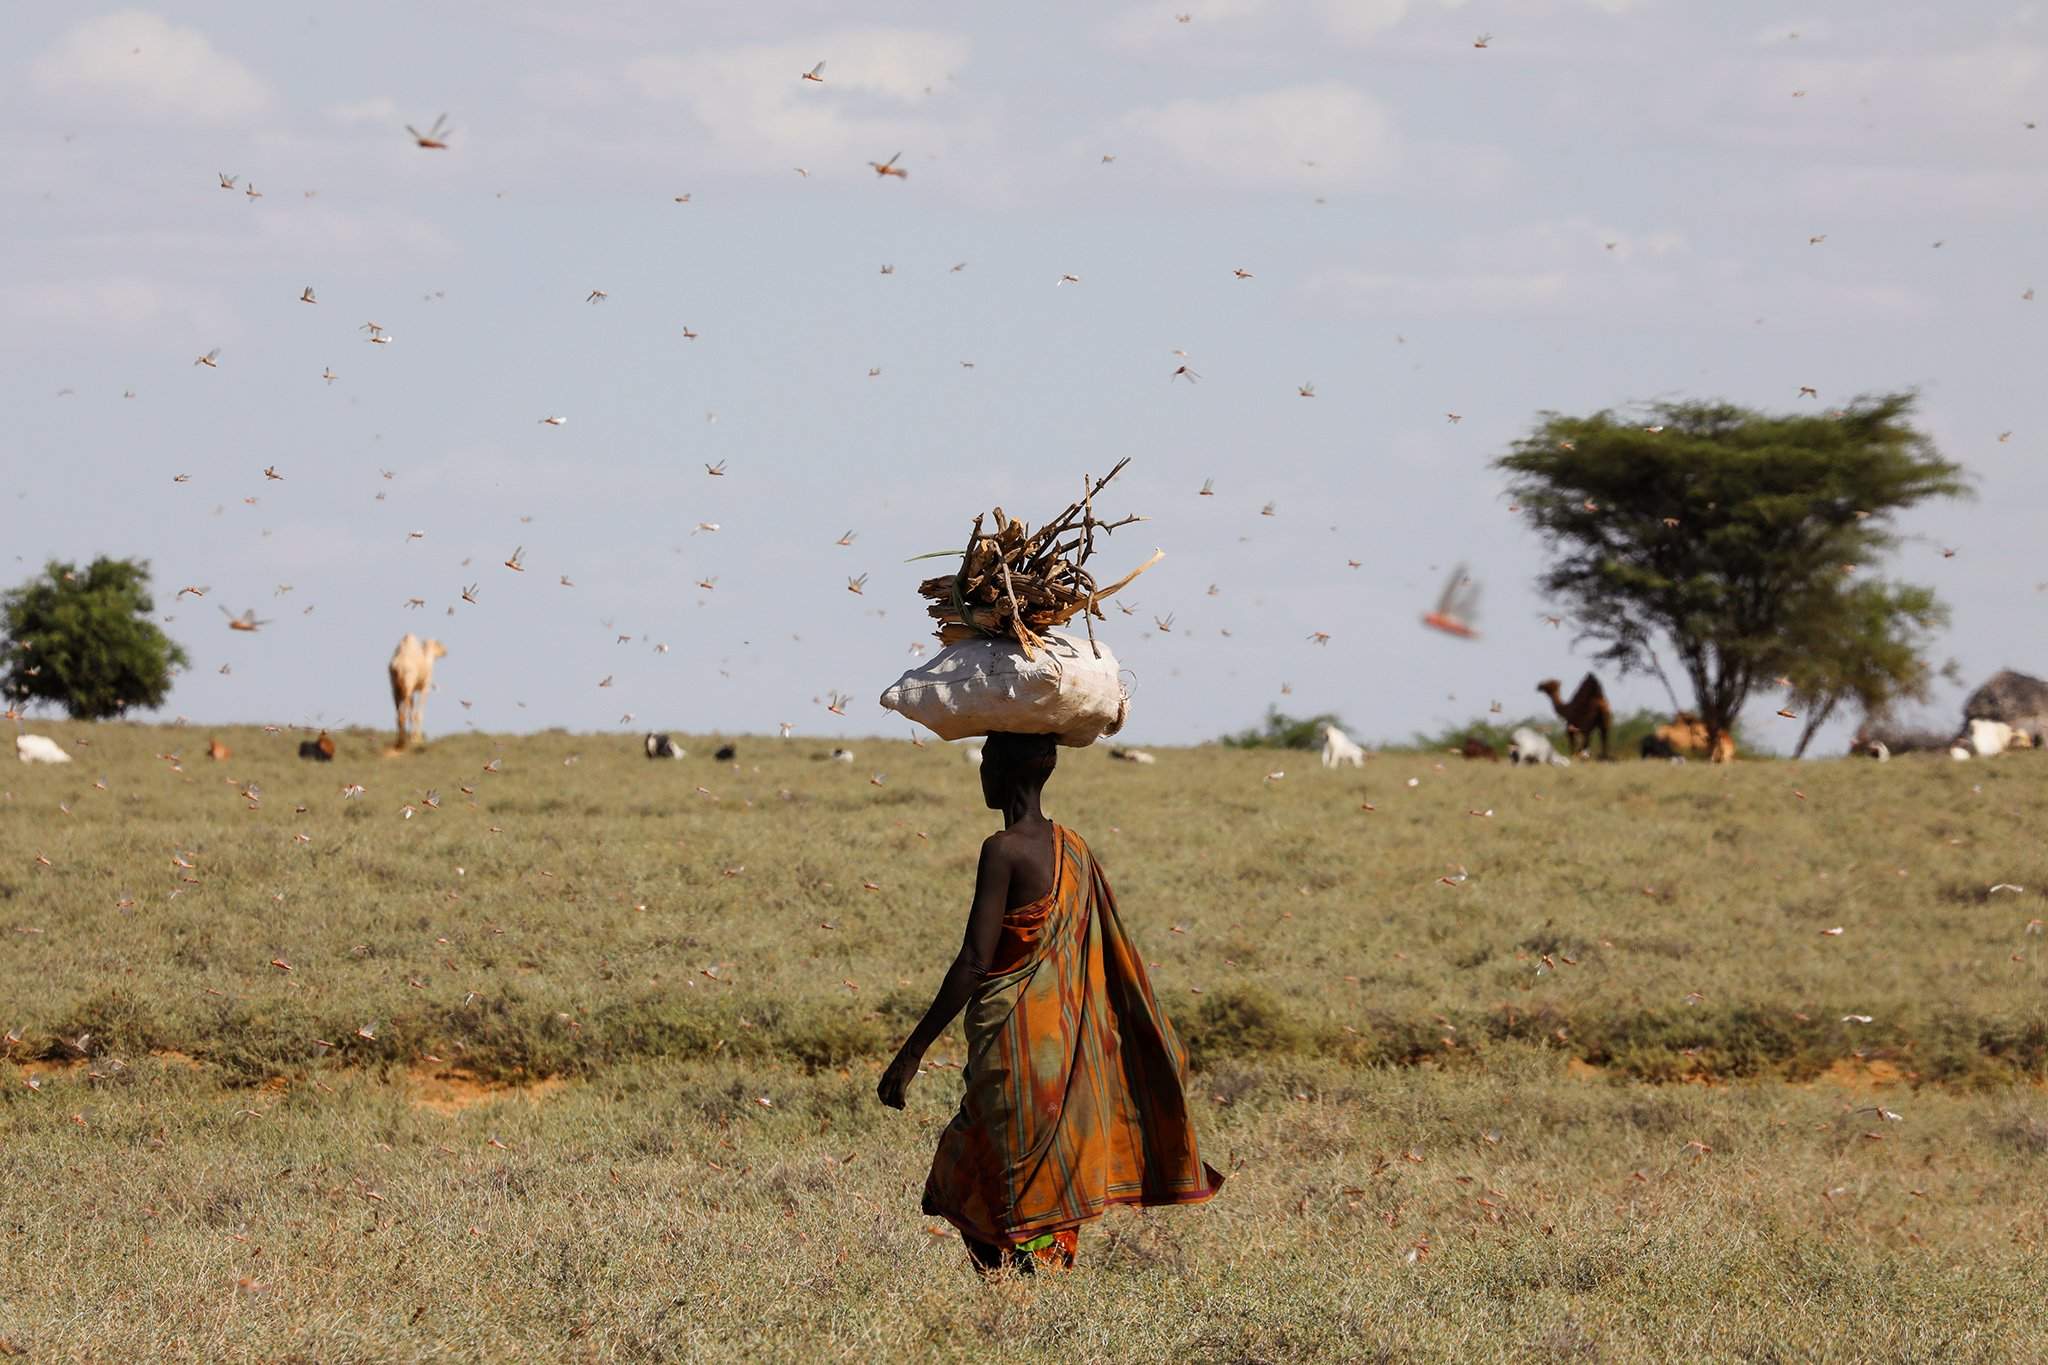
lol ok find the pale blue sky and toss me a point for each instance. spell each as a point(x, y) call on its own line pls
point(1448, 251)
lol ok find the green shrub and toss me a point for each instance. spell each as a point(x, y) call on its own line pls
point(1240, 1021)
point(1282, 731)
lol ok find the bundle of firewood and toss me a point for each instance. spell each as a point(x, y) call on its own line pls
point(1015, 582)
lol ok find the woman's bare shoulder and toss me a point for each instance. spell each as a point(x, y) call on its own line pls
point(1009, 845)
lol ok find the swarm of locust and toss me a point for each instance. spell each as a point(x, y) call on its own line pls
point(1015, 583)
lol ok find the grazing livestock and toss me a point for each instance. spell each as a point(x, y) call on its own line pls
point(2014, 698)
point(661, 746)
point(1876, 749)
point(726, 753)
point(38, 749)
point(842, 756)
point(1529, 746)
point(1132, 756)
point(1687, 735)
point(217, 751)
point(1479, 748)
point(1339, 750)
point(1584, 714)
point(1656, 746)
point(1987, 738)
point(319, 750)
point(412, 673)
point(1894, 739)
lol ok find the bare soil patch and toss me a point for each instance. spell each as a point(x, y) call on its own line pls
point(453, 1091)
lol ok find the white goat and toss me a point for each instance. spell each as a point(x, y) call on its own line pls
point(39, 749)
point(1989, 738)
point(1529, 746)
point(1339, 751)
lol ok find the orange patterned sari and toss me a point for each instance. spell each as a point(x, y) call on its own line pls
point(1074, 1078)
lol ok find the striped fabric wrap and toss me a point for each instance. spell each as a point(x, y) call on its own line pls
point(1075, 1084)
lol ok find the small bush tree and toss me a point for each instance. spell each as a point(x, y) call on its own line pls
point(85, 640)
point(1282, 731)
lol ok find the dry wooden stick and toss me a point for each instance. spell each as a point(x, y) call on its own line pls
point(1016, 616)
point(1016, 582)
point(1125, 582)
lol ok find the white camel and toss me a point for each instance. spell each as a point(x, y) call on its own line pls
point(412, 673)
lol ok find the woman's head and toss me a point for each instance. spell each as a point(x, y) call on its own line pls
point(1013, 763)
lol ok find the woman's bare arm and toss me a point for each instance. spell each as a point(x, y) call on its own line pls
point(977, 950)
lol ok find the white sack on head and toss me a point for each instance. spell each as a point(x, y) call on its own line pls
point(985, 686)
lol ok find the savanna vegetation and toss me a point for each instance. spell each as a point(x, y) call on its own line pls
point(84, 640)
point(573, 1057)
point(1740, 544)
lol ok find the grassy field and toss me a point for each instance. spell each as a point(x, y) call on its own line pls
point(578, 1061)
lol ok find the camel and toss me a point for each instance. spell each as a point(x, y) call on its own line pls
point(1586, 712)
point(1686, 737)
point(412, 673)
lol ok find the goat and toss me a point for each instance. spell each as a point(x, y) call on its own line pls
point(1987, 738)
point(661, 746)
point(1339, 750)
point(1530, 747)
point(319, 750)
point(38, 749)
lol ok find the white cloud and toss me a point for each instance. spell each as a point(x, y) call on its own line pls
point(1154, 25)
point(1966, 88)
point(322, 232)
point(1436, 294)
point(1547, 266)
point(121, 305)
point(1270, 138)
point(1363, 20)
point(758, 110)
point(382, 109)
point(146, 65)
point(1780, 31)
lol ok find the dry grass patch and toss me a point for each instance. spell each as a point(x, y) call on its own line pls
point(487, 1082)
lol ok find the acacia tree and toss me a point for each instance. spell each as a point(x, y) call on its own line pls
point(1864, 644)
point(1720, 532)
point(85, 640)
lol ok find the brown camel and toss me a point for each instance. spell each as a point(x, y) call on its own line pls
point(1686, 737)
point(412, 673)
point(1586, 712)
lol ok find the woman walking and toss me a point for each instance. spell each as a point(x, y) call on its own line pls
point(1075, 1084)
